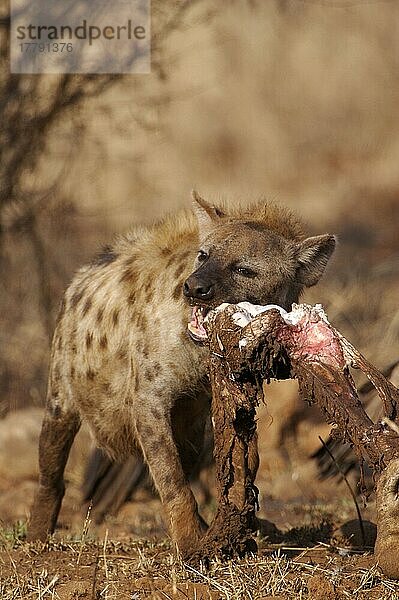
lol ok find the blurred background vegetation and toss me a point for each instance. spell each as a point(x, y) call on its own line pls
point(296, 101)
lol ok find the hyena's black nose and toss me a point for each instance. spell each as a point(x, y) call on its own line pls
point(194, 287)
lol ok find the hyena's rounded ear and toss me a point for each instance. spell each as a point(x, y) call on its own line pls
point(313, 254)
point(207, 214)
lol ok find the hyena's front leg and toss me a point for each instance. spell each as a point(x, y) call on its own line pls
point(155, 435)
point(58, 432)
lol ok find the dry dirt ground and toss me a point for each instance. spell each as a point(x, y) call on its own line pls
point(130, 555)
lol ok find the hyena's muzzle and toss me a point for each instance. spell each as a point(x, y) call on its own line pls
point(200, 291)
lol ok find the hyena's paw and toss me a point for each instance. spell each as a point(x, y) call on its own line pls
point(44, 513)
point(204, 526)
point(39, 528)
point(213, 546)
point(188, 542)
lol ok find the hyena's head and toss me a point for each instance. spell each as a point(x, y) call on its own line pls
point(258, 256)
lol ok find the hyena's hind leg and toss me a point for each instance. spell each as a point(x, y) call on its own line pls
point(58, 432)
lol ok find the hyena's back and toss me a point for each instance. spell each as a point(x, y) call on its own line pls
point(121, 333)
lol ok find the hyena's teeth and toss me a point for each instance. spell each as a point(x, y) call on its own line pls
point(203, 310)
point(195, 327)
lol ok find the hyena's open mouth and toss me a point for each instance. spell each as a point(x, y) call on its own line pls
point(196, 327)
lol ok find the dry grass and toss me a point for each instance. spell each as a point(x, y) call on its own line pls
point(305, 565)
point(136, 569)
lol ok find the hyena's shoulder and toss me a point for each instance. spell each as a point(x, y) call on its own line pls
point(173, 235)
point(142, 255)
point(127, 285)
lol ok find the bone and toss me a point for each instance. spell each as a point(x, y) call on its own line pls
point(249, 344)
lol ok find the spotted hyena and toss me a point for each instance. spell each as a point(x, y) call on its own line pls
point(127, 354)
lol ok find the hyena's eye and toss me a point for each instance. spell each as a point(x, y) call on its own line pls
point(244, 271)
point(201, 256)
